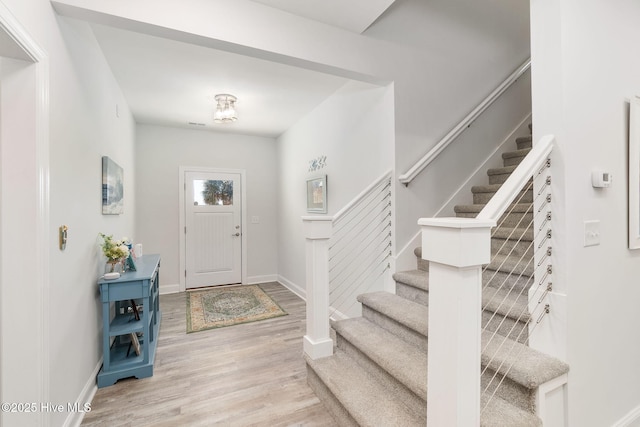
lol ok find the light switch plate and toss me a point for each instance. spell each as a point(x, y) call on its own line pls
point(591, 233)
point(255, 220)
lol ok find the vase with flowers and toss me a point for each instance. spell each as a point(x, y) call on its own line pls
point(116, 252)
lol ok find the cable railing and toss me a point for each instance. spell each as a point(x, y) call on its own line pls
point(421, 164)
point(360, 247)
point(522, 236)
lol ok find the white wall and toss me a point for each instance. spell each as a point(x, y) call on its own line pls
point(354, 130)
point(584, 73)
point(160, 151)
point(83, 127)
point(443, 58)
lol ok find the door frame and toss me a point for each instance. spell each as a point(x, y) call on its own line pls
point(183, 221)
point(29, 50)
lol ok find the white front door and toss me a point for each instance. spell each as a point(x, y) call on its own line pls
point(213, 214)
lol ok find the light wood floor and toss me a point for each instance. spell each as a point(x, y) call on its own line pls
point(244, 375)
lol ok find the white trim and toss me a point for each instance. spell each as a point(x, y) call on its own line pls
point(629, 419)
point(16, 31)
point(553, 415)
point(74, 419)
point(634, 172)
point(173, 288)
point(181, 196)
point(254, 280)
point(301, 292)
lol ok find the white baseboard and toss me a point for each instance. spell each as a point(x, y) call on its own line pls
point(262, 279)
point(629, 420)
point(169, 289)
point(74, 419)
point(301, 292)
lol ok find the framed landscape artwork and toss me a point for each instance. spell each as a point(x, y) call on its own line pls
point(317, 194)
point(112, 187)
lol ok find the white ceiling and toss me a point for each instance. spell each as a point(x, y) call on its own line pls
point(171, 83)
point(352, 15)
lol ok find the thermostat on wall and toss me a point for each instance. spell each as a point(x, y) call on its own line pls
point(600, 179)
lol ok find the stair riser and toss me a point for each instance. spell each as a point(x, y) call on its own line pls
point(422, 264)
point(512, 161)
point(497, 279)
point(412, 294)
point(523, 143)
point(505, 326)
point(509, 390)
point(394, 327)
point(331, 403)
point(512, 247)
point(524, 268)
point(415, 403)
point(498, 178)
point(483, 198)
point(513, 219)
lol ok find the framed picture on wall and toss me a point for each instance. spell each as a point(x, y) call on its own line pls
point(634, 173)
point(112, 187)
point(317, 194)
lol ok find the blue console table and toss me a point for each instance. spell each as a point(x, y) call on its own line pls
point(120, 361)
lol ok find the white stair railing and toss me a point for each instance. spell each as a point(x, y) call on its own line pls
point(346, 254)
point(360, 248)
point(520, 266)
point(457, 249)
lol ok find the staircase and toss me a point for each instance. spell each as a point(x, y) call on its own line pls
point(377, 375)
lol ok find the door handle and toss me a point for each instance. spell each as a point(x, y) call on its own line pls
point(237, 234)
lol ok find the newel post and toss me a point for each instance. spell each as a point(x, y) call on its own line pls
point(317, 342)
point(456, 249)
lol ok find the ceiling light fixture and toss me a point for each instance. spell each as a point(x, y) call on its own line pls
point(226, 109)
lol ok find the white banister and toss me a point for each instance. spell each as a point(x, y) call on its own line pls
point(317, 341)
point(456, 249)
point(421, 164)
point(517, 180)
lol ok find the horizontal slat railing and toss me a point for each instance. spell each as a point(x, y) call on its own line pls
point(421, 164)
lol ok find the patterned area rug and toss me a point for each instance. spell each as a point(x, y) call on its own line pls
point(227, 306)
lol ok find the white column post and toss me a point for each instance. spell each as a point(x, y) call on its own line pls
point(456, 249)
point(317, 342)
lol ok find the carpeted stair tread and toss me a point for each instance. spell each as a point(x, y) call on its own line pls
point(476, 208)
point(521, 364)
point(501, 171)
point(524, 142)
point(405, 362)
point(500, 413)
point(498, 279)
point(416, 278)
point(521, 233)
point(516, 153)
point(511, 264)
point(370, 405)
point(491, 188)
point(506, 303)
point(408, 313)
